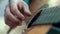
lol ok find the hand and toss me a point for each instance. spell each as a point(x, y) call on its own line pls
point(15, 11)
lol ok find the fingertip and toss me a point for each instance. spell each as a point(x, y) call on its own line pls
point(21, 18)
point(29, 13)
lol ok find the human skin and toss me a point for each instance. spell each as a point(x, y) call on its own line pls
point(34, 6)
point(39, 29)
point(15, 11)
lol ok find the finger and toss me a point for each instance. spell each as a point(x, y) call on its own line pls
point(20, 5)
point(8, 22)
point(11, 16)
point(26, 9)
point(15, 11)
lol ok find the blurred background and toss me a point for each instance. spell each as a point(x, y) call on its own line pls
point(3, 3)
